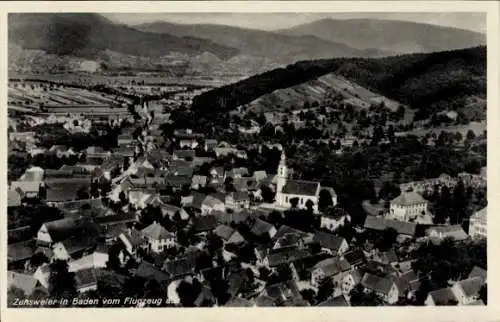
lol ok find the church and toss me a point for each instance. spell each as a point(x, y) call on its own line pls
point(288, 189)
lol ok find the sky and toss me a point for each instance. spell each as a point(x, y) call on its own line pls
point(272, 21)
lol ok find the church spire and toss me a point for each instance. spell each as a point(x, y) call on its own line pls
point(282, 172)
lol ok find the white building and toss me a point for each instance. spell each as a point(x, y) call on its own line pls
point(158, 237)
point(303, 191)
point(477, 224)
point(408, 206)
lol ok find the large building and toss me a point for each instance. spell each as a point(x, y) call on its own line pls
point(302, 191)
point(408, 206)
point(477, 224)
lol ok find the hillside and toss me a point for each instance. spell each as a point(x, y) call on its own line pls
point(389, 35)
point(320, 90)
point(87, 34)
point(275, 46)
point(426, 82)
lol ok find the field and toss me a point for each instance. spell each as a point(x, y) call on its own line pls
point(321, 90)
point(32, 94)
point(477, 127)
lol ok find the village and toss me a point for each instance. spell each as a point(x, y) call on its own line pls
point(171, 213)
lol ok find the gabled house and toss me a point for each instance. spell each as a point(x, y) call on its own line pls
point(438, 233)
point(443, 296)
point(331, 244)
point(467, 291)
point(158, 238)
point(59, 230)
point(351, 280)
point(24, 282)
point(229, 235)
point(385, 287)
point(333, 267)
point(73, 247)
point(334, 219)
point(237, 200)
point(86, 279)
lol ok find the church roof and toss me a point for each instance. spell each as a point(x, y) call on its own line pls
point(300, 187)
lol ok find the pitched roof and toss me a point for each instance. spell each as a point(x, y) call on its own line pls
point(328, 241)
point(67, 227)
point(149, 271)
point(333, 266)
point(14, 198)
point(380, 223)
point(264, 301)
point(239, 302)
point(300, 187)
point(355, 257)
point(63, 191)
point(478, 272)
point(78, 243)
point(26, 186)
point(284, 255)
point(408, 198)
point(261, 227)
point(376, 283)
point(454, 231)
point(336, 301)
point(204, 223)
point(24, 282)
point(20, 251)
point(156, 231)
point(180, 267)
point(471, 286)
point(224, 232)
point(442, 296)
point(87, 277)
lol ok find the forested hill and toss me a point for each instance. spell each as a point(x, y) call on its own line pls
point(427, 82)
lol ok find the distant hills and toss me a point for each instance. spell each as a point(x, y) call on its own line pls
point(389, 35)
point(62, 42)
point(428, 83)
point(279, 47)
point(88, 34)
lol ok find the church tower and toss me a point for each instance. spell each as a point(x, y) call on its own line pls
point(282, 173)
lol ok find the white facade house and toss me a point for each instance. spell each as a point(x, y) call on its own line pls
point(408, 206)
point(477, 224)
point(158, 237)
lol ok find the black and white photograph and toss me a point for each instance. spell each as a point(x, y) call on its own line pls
point(239, 159)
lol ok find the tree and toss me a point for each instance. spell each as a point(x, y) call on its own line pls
point(267, 193)
point(82, 193)
point(325, 200)
point(325, 289)
point(94, 189)
point(126, 163)
point(388, 239)
point(294, 202)
point(61, 281)
point(470, 135)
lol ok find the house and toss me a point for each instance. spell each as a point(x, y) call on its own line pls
point(132, 239)
point(477, 224)
point(405, 229)
point(19, 254)
point(385, 287)
point(288, 236)
point(58, 192)
point(218, 173)
point(285, 293)
point(334, 245)
point(351, 280)
point(237, 173)
point(27, 189)
point(228, 235)
point(334, 219)
point(158, 237)
point(237, 200)
point(187, 155)
point(172, 211)
point(33, 174)
point(42, 275)
point(210, 145)
point(97, 259)
point(408, 206)
point(478, 272)
point(14, 198)
point(467, 291)
point(150, 272)
point(191, 143)
point(210, 204)
point(338, 301)
point(333, 267)
point(58, 230)
point(86, 279)
point(438, 233)
point(284, 255)
point(73, 247)
point(180, 267)
point(443, 296)
point(24, 282)
point(204, 223)
point(198, 182)
point(125, 139)
point(355, 258)
point(261, 228)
